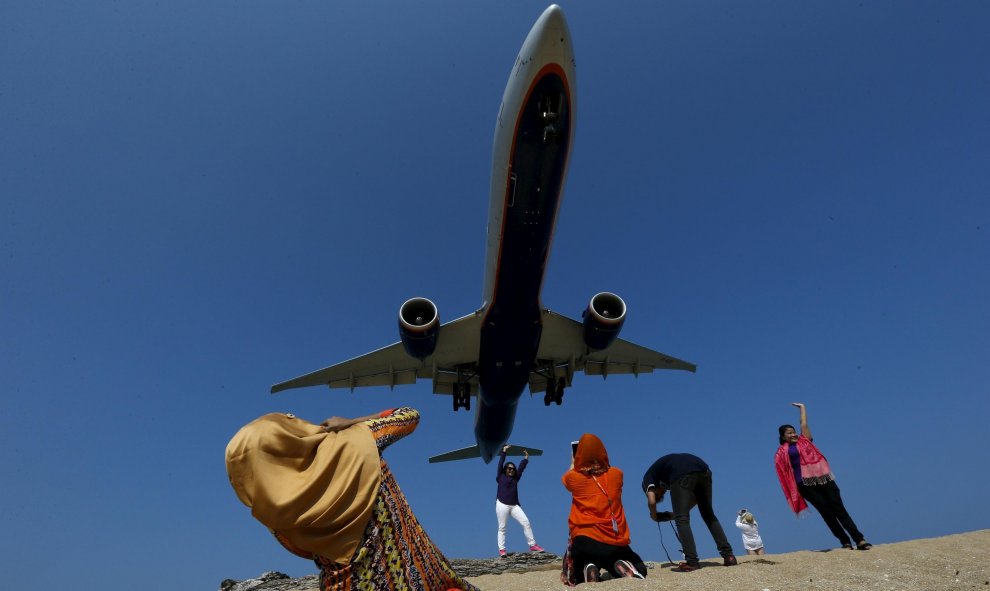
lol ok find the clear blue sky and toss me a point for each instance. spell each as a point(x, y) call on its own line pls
point(200, 199)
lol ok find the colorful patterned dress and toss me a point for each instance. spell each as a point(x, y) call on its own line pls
point(396, 553)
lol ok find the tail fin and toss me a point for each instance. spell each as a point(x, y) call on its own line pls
point(466, 453)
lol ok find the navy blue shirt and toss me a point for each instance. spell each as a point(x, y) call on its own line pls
point(670, 468)
point(795, 457)
point(508, 486)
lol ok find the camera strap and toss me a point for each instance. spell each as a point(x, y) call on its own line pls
point(615, 524)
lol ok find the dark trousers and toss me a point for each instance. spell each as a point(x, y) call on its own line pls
point(827, 500)
point(584, 551)
point(690, 490)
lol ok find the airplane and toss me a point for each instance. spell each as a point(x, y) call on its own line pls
point(512, 340)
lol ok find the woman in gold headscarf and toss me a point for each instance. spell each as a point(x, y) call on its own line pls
point(327, 495)
point(599, 534)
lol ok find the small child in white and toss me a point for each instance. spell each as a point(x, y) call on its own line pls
point(750, 532)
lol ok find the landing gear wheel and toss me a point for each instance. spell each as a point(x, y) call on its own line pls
point(462, 396)
point(547, 399)
point(558, 391)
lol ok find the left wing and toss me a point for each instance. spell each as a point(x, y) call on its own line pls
point(458, 342)
point(562, 349)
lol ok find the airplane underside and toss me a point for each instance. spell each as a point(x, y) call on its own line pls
point(512, 341)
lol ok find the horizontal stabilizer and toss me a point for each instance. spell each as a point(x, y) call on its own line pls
point(466, 453)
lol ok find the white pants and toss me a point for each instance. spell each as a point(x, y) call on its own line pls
point(502, 511)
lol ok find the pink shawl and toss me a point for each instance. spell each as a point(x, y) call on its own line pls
point(814, 470)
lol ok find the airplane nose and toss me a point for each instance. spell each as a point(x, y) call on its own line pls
point(554, 15)
point(553, 27)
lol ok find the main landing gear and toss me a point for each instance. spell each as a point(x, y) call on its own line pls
point(555, 392)
point(462, 396)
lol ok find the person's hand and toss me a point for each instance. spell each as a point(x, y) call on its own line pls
point(334, 424)
point(505, 449)
point(526, 454)
point(655, 516)
point(798, 404)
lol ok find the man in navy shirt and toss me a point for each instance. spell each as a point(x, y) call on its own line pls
point(689, 481)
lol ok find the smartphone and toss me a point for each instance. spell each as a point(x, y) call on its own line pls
point(574, 445)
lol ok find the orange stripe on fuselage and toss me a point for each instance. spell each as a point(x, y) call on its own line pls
point(547, 69)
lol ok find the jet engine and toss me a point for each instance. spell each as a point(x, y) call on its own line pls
point(419, 325)
point(603, 320)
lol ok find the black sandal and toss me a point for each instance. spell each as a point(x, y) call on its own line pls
point(863, 545)
point(848, 546)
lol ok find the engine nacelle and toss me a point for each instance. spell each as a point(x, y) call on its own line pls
point(419, 325)
point(603, 320)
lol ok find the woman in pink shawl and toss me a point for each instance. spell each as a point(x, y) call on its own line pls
point(805, 475)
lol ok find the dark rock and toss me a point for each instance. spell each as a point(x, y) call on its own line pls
point(516, 562)
point(271, 581)
point(465, 567)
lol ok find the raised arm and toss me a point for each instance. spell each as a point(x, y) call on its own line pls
point(334, 424)
point(522, 465)
point(501, 461)
point(805, 430)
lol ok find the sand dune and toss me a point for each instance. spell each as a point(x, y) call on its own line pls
point(960, 561)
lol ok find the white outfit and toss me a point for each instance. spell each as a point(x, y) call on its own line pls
point(503, 511)
point(750, 534)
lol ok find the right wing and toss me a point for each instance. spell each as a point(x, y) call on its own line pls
point(458, 342)
point(562, 348)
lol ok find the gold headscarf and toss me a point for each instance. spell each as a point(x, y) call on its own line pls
point(315, 489)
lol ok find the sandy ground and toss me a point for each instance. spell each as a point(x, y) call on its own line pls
point(960, 561)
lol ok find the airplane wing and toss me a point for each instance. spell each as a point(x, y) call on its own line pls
point(456, 351)
point(562, 348)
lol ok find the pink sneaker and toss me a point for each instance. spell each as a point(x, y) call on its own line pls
point(501, 553)
point(536, 548)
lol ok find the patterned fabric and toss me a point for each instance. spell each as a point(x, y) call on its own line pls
point(568, 575)
point(396, 553)
point(814, 471)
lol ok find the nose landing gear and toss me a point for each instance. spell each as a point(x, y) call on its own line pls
point(462, 396)
point(555, 392)
point(549, 114)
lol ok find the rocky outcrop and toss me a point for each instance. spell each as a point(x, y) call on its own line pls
point(271, 581)
point(518, 562)
point(466, 567)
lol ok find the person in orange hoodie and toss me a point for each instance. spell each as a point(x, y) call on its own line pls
point(599, 534)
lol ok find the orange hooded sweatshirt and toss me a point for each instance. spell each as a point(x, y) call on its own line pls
point(596, 495)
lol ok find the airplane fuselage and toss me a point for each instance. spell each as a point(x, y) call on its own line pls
point(533, 137)
point(511, 340)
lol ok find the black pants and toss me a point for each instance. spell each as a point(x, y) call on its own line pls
point(690, 490)
point(827, 500)
point(584, 551)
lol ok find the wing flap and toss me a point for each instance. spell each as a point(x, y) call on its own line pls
point(562, 346)
point(458, 343)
